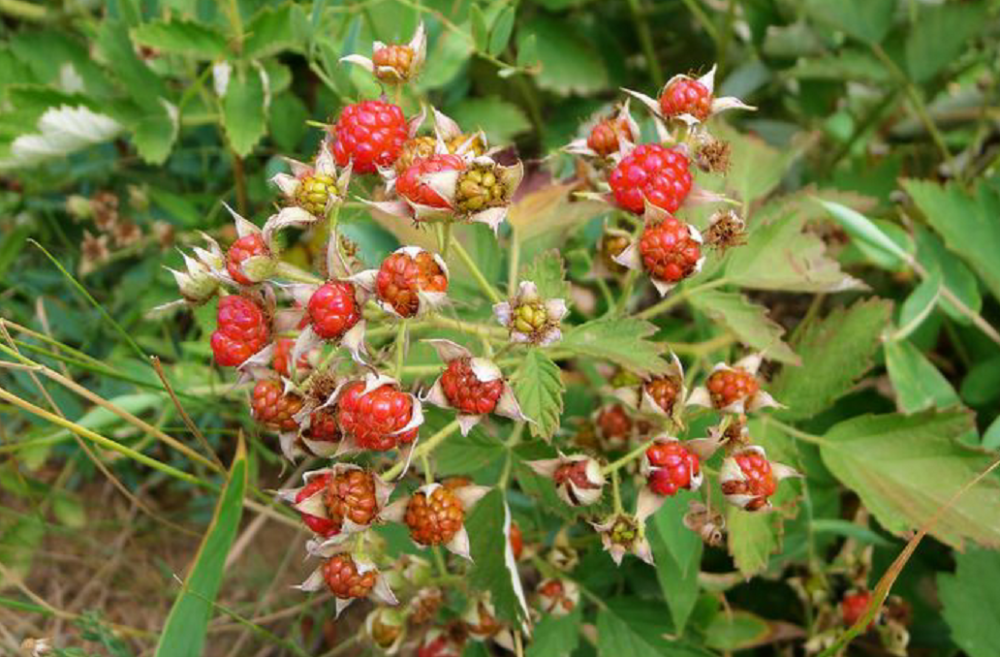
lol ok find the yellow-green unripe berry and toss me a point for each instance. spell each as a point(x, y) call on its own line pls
point(313, 193)
point(530, 318)
point(479, 188)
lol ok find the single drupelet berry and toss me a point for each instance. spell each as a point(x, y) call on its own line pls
point(350, 496)
point(434, 519)
point(516, 541)
point(314, 192)
point(614, 423)
point(323, 426)
point(854, 605)
point(731, 385)
point(242, 330)
point(321, 526)
point(478, 188)
point(611, 246)
point(402, 276)
point(759, 482)
point(333, 309)
point(373, 419)
point(345, 582)
point(605, 137)
point(240, 251)
point(665, 391)
point(273, 408)
point(398, 57)
point(654, 173)
point(669, 252)
point(369, 134)
point(414, 149)
point(411, 186)
point(686, 96)
point(465, 392)
point(673, 467)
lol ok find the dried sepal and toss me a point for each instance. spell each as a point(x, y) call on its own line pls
point(577, 477)
point(622, 534)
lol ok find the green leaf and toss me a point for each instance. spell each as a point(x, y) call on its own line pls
point(918, 306)
point(757, 167)
point(445, 59)
point(748, 321)
point(635, 628)
point(677, 551)
point(836, 351)
point(967, 224)
point(464, 454)
point(499, 119)
point(569, 63)
point(866, 20)
point(274, 29)
point(181, 37)
point(547, 271)
point(539, 390)
point(782, 255)
point(155, 133)
point(873, 241)
point(991, 438)
point(287, 121)
point(503, 27)
point(480, 33)
point(19, 543)
point(622, 341)
point(243, 111)
point(527, 51)
point(491, 571)
point(555, 636)
point(954, 275)
point(972, 603)
point(981, 384)
point(138, 80)
point(940, 35)
point(739, 630)
point(752, 539)
point(186, 627)
point(906, 468)
point(918, 384)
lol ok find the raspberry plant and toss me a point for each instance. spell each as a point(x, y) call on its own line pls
point(646, 392)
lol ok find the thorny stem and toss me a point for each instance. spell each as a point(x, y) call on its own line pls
point(470, 264)
point(625, 460)
point(426, 447)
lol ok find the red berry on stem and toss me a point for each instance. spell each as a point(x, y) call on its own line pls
point(434, 519)
point(350, 496)
point(654, 173)
point(465, 392)
point(669, 252)
point(727, 386)
point(342, 576)
point(373, 419)
point(333, 309)
point(686, 96)
point(614, 423)
point(411, 186)
point(758, 483)
point(241, 250)
point(242, 330)
point(402, 276)
point(672, 467)
point(369, 134)
point(322, 526)
point(273, 408)
point(854, 605)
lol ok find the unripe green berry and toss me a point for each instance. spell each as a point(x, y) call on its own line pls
point(313, 193)
point(624, 531)
point(530, 317)
point(479, 188)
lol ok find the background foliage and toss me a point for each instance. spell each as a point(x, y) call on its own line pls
point(869, 178)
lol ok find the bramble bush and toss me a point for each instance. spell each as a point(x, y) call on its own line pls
point(485, 335)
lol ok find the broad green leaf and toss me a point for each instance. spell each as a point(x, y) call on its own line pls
point(187, 625)
point(624, 342)
point(539, 390)
point(69, 510)
point(757, 167)
point(493, 566)
point(480, 32)
point(748, 321)
point(287, 121)
point(548, 273)
point(527, 51)
point(445, 58)
point(981, 385)
point(967, 224)
point(635, 628)
point(906, 468)
point(18, 544)
point(138, 80)
point(181, 37)
point(940, 35)
point(555, 636)
point(752, 539)
point(155, 133)
point(867, 20)
point(991, 437)
point(954, 274)
point(848, 529)
point(836, 351)
point(677, 551)
point(569, 63)
point(502, 28)
point(872, 241)
point(844, 65)
point(499, 119)
point(781, 255)
point(274, 29)
point(740, 630)
point(971, 602)
point(464, 454)
point(918, 384)
point(243, 110)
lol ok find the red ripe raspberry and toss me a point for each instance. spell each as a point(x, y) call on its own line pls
point(853, 606)
point(273, 408)
point(604, 138)
point(242, 331)
point(673, 467)
point(661, 175)
point(242, 249)
point(729, 386)
point(351, 496)
point(333, 309)
point(401, 276)
point(322, 526)
point(397, 57)
point(370, 134)
point(465, 392)
point(410, 186)
point(342, 576)
point(373, 419)
point(434, 519)
point(323, 426)
point(759, 484)
point(575, 472)
point(516, 541)
point(686, 96)
point(614, 423)
point(668, 251)
point(664, 390)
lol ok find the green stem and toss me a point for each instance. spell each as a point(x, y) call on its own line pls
point(425, 447)
point(291, 272)
point(616, 493)
point(676, 299)
point(627, 289)
point(515, 257)
point(473, 269)
point(401, 340)
point(512, 442)
point(625, 460)
point(793, 432)
point(481, 330)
